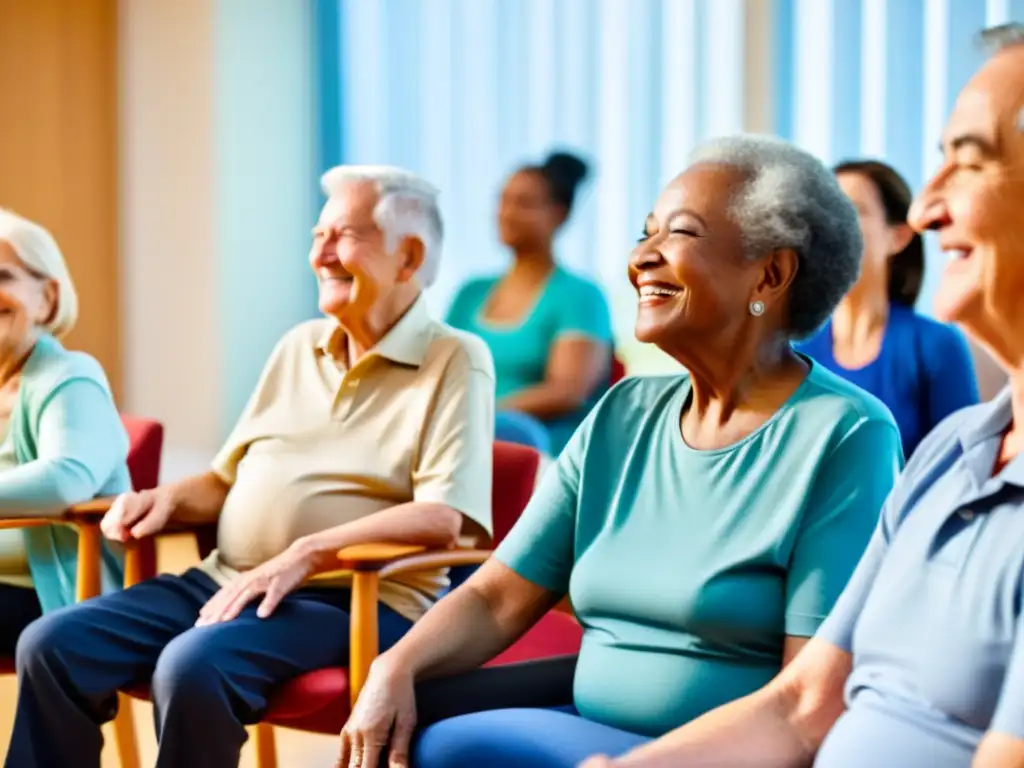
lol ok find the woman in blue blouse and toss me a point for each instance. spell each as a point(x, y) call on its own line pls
point(548, 329)
point(61, 439)
point(921, 369)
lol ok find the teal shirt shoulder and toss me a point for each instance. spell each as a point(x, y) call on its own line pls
point(70, 446)
point(568, 305)
point(689, 568)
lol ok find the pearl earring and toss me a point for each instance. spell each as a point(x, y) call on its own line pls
point(757, 308)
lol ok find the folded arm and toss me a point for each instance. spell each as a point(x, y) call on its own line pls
point(576, 367)
point(432, 525)
point(80, 444)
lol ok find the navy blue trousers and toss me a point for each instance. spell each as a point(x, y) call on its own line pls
point(19, 607)
point(208, 683)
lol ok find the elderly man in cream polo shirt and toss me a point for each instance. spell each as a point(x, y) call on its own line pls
point(373, 424)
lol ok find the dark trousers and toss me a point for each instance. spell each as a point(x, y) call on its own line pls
point(208, 682)
point(19, 607)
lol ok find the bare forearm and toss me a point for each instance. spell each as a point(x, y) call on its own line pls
point(430, 525)
point(199, 499)
point(471, 625)
point(546, 400)
point(754, 731)
point(999, 750)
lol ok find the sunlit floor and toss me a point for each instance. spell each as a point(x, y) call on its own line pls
point(294, 749)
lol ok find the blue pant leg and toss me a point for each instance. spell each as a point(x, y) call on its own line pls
point(518, 738)
point(211, 681)
point(71, 662)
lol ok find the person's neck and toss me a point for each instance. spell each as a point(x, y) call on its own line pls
point(364, 334)
point(861, 315)
point(13, 359)
point(532, 265)
point(743, 379)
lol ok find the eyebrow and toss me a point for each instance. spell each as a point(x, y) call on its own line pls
point(980, 143)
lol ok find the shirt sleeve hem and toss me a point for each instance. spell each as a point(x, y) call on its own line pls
point(522, 569)
point(479, 514)
point(802, 624)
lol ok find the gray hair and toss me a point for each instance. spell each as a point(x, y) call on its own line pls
point(789, 199)
point(406, 206)
point(39, 253)
point(999, 38)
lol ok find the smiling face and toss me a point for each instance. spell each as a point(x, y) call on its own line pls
point(690, 269)
point(974, 203)
point(27, 300)
point(354, 269)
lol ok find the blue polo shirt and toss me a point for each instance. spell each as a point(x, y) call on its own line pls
point(933, 613)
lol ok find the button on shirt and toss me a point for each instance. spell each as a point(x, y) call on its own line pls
point(321, 444)
point(933, 613)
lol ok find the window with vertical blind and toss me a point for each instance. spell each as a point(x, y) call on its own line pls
point(462, 91)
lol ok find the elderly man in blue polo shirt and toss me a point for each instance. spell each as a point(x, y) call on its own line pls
point(927, 641)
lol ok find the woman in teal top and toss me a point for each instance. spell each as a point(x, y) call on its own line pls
point(549, 330)
point(61, 439)
point(703, 524)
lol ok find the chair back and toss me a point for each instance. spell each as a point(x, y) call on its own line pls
point(145, 451)
point(515, 475)
point(146, 443)
point(618, 371)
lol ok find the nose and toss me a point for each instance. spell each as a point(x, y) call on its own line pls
point(929, 210)
point(645, 256)
point(323, 254)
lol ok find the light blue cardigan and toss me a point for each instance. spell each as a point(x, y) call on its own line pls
point(70, 446)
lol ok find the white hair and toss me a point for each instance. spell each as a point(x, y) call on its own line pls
point(789, 199)
point(999, 38)
point(39, 253)
point(406, 206)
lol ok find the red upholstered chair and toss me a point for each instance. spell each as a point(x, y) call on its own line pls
point(320, 701)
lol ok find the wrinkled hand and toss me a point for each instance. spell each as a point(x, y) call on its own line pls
point(138, 515)
point(386, 709)
point(273, 580)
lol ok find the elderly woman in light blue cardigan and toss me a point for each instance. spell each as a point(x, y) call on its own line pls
point(61, 438)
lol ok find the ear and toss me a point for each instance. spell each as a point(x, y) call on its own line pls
point(900, 236)
point(411, 252)
point(51, 299)
point(777, 275)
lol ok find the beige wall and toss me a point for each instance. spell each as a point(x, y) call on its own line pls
point(167, 234)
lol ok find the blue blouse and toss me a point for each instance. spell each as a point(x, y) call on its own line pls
point(923, 373)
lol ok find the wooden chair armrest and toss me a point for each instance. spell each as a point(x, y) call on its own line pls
point(391, 559)
point(28, 522)
point(91, 511)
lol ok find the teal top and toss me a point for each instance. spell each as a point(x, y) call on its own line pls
point(568, 305)
point(70, 447)
point(688, 568)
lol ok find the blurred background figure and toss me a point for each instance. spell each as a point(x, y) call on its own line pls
point(920, 368)
point(549, 330)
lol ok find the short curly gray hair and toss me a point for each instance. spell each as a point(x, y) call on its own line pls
point(791, 200)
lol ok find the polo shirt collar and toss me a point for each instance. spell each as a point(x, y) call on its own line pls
point(982, 437)
point(406, 343)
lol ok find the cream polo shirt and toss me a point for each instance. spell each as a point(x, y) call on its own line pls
point(319, 445)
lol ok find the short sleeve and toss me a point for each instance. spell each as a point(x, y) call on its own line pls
point(1009, 714)
point(225, 463)
point(952, 383)
point(842, 513)
point(540, 546)
point(80, 444)
point(582, 311)
point(455, 460)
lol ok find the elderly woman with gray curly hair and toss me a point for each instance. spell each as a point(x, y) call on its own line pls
point(701, 524)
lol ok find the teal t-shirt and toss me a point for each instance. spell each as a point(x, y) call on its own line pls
point(567, 305)
point(688, 568)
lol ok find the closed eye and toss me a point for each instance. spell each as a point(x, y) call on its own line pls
point(687, 232)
